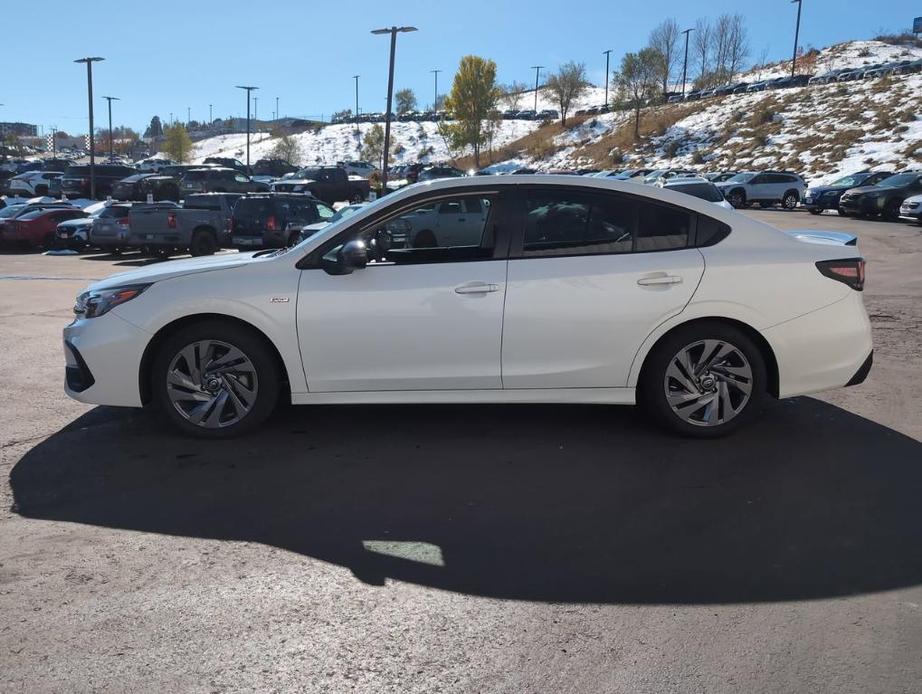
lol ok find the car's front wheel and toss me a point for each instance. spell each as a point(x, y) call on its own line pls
point(215, 379)
point(704, 380)
point(790, 200)
point(737, 198)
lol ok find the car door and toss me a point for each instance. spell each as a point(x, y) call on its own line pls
point(590, 277)
point(414, 318)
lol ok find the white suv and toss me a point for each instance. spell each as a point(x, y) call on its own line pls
point(359, 168)
point(32, 183)
point(765, 188)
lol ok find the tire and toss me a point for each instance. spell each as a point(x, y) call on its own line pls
point(891, 212)
point(48, 241)
point(203, 243)
point(356, 197)
point(737, 198)
point(813, 211)
point(425, 239)
point(661, 372)
point(790, 200)
point(254, 383)
point(41, 190)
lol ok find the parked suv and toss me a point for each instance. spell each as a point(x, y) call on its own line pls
point(218, 180)
point(137, 188)
point(273, 167)
point(883, 199)
point(821, 198)
point(765, 188)
point(75, 183)
point(359, 168)
point(228, 163)
point(274, 220)
point(32, 183)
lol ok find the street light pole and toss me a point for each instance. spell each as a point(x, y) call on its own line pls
point(89, 91)
point(210, 118)
point(607, 58)
point(393, 31)
point(685, 63)
point(435, 99)
point(356, 78)
point(110, 99)
point(247, 90)
point(277, 108)
point(255, 108)
point(796, 36)
point(188, 115)
point(537, 69)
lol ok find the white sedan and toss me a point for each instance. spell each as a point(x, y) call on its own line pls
point(577, 290)
point(911, 209)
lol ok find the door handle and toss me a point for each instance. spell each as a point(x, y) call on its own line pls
point(659, 280)
point(476, 288)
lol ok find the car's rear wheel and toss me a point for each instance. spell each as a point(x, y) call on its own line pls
point(814, 211)
point(214, 379)
point(356, 197)
point(892, 211)
point(737, 198)
point(790, 200)
point(704, 380)
point(203, 243)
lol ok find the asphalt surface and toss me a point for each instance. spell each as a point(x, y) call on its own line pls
point(490, 549)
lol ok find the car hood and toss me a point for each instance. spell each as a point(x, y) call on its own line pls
point(869, 189)
point(819, 190)
point(175, 268)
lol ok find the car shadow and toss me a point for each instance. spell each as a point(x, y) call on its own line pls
point(552, 503)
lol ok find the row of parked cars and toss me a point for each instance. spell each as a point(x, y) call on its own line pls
point(901, 67)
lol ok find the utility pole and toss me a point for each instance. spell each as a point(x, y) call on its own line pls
point(248, 90)
point(356, 78)
point(110, 99)
point(89, 91)
point(435, 99)
point(796, 35)
point(537, 69)
point(210, 118)
point(188, 115)
point(685, 63)
point(255, 108)
point(276, 108)
point(607, 58)
point(393, 31)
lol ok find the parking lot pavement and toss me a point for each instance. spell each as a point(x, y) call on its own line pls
point(531, 548)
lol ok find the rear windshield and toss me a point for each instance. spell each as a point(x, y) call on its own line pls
point(253, 207)
point(207, 202)
point(114, 211)
point(196, 175)
point(705, 191)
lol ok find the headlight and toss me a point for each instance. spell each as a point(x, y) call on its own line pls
point(100, 301)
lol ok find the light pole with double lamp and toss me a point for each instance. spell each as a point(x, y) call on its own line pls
point(110, 99)
point(685, 63)
point(247, 90)
point(89, 90)
point(393, 31)
point(796, 35)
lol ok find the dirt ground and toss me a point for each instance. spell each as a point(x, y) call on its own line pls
point(426, 549)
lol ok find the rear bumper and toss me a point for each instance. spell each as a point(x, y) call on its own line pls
point(827, 348)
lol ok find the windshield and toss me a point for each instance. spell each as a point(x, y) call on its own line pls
point(740, 178)
point(850, 181)
point(11, 211)
point(902, 179)
point(705, 191)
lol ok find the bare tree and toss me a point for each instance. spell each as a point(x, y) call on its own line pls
point(730, 47)
point(637, 80)
point(513, 94)
point(702, 46)
point(567, 84)
point(664, 40)
point(762, 61)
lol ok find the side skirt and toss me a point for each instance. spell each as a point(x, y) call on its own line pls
point(598, 396)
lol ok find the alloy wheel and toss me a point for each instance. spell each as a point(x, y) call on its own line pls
point(212, 384)
point(708, 382)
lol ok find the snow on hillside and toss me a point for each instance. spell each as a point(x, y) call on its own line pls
point(410, 142)
point(841, 55)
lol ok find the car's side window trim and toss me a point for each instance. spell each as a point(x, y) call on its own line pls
point(499, 219)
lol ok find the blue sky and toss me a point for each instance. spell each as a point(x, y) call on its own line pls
point(167, 55)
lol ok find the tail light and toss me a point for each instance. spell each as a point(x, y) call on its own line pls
point(123, 221)
point(271, 223)
point(849, 271)
point(171, 220)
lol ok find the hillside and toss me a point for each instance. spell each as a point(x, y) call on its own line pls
point(821, 131)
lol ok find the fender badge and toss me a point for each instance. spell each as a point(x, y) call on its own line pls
point(278, 300)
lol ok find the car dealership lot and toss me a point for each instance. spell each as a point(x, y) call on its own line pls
point(529, 548)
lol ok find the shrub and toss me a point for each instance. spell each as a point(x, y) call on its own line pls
point(699, 156)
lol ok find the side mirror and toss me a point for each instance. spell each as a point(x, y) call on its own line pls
point(350, 256)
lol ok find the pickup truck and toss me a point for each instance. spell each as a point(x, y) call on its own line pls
point(199, 226)
point(329, 183)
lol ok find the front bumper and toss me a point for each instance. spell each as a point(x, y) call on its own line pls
point(103, 359)
point(821, 202)
point(859, 206)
